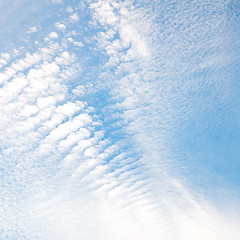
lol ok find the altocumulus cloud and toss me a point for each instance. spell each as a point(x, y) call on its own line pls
point(90, 109)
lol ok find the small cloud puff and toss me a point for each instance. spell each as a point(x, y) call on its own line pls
point(32, 30)
point(60, 26)
point(74, 17)
point(53, 35)
point(69, 9)
point(78, 44)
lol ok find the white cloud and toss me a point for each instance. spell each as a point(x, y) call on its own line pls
point(79, 90)
point(69, 9)
point(20, 65)
point(58, 1)
point(6, 56)
point(53, 35)
point(70, 180)
point(15, 52)
point(78, 44)
point(3, 62)
point(60, 26)
point(133, 53)
point(32, 30)
point(74, 17)
point(44, 102)
point(29, 110)
point(70, 39)
point(65, 59)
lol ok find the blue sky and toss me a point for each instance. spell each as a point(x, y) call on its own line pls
point(119, 120)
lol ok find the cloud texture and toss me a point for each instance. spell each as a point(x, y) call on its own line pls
point(91, 112)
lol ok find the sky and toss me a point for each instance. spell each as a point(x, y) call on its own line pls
point(119, 120)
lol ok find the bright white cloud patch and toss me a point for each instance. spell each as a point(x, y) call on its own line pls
point(60, 26)
point(53, 35)
point(90, 118)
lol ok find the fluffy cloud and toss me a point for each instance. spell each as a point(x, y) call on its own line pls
point(60, 26)
point(53, 35)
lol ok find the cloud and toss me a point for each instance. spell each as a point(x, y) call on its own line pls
point(5, 57)
point(69, 9)
point(86, 133)
point(20, 65)
point(32, 30)
point(78, 44)
point(74, 17)
point(60, 26)
point(132, 55)
point(58, 1)
point(53, 35)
